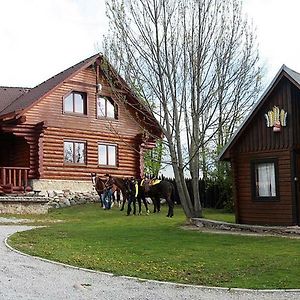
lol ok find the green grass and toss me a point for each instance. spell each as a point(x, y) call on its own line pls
point(219, 215)
point(159, 248)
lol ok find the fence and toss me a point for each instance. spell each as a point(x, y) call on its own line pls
point(212, 193)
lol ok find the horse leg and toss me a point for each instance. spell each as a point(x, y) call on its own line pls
point(146, 205)
point(171, 206)
point(129, 206)
point(134, 205)
point(139, 204)
point(158, 204)
point(123, 203)
point(154, 205)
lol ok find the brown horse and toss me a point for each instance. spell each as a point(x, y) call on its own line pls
point(100, 186)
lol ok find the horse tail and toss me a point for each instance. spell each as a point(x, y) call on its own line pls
point(173, 194)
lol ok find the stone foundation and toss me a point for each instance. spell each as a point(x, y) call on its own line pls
point(40, 202)
point(56, 185)
point(23, 205)
point(67, 198)
point(243, 228)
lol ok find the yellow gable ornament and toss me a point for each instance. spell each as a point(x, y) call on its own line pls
point(276, 118)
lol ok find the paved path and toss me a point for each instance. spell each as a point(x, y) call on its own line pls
point(26, 277)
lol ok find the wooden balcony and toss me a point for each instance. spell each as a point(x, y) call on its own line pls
point(13, 179)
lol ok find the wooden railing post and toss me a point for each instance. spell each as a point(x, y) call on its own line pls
point(13, 178)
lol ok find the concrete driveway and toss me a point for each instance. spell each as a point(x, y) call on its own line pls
point(26, 277)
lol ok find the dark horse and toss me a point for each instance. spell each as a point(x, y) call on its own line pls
point(122, 185)
point(163, 189)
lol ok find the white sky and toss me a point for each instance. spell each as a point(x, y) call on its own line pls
point(40, 38)
point(277, 27)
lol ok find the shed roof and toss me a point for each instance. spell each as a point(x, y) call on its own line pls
point(291, 75)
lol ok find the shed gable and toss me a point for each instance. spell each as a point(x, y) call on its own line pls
point(256, 135)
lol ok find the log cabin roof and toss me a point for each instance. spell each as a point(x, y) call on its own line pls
point(284, 71)
point(25, 100)
point(9, 94)
point(14, 101)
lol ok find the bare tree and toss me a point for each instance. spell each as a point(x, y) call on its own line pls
point(189, 60)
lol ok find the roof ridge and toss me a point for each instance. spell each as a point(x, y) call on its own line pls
point(72, 67)
point(14, 87)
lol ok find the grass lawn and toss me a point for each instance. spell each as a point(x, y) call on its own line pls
point(159, 248)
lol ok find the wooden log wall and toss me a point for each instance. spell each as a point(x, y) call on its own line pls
point(53, 149)
point(251, 211)
point(88, 128)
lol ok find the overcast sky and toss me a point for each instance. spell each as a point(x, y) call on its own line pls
point(277, 27)
point(40, 38)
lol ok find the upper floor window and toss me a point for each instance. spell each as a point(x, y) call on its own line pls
point(264, 174)
point(74, 152)
point(106, 108)
point(76, 102)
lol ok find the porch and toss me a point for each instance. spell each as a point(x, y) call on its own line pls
point(14, 180)
point(14, 164)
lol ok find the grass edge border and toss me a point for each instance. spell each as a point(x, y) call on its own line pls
point(227, 289)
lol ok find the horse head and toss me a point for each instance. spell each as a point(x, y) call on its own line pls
point(99, 185)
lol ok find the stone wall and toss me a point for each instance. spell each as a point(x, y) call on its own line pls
point(244, 228)
point(67, 198)
point(41, 202)
point(23, 205)
point(72, 185)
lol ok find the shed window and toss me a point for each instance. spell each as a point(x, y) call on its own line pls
point(107, 155)
point(106, 108)
point(76, 102)
point(265, 180)
point(74, 152)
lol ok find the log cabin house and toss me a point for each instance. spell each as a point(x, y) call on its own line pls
point(265, 156)
point(83, 120)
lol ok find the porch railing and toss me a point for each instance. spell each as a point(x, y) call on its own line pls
point(13, 179)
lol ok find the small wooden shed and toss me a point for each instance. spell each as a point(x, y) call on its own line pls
point(265, 156)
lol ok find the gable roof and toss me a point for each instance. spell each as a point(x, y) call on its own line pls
point(27, 99)
point(291, 75)
point(14, 101)
point(9, 94)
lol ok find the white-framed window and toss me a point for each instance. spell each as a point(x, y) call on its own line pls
point(107, 155)
point(106, 108)
point(74, 152)
point(76, 103)
point(265, 179)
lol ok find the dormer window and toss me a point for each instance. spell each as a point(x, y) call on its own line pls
point(76, 103)
point(106, 108)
